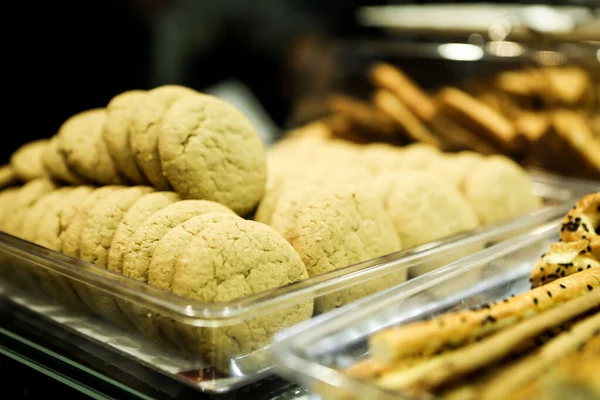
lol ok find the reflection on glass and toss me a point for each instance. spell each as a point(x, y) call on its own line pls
point(505, 49)
point(460, 51)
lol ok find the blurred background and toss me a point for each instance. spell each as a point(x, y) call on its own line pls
point(267, 56)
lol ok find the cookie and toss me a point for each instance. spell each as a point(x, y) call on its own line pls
point(480, 117)
point(142, 243)
point(455, 167)
point(55, 164)
point(164, 260)
point(45, 204)
point(394, 108)
point(119, 117)
point(341, 226)
point(145, 128)
point(27, 161)
point(364, 116)
point(71, 237)
point(145, 207)
point(458, 137)
point(499, 189)
point(80, 144)
point(393, 79)
point(27, 196)
point(231, 259)
point(209, 150)
point(418, 156)
point(102, 222)
point(96, 237)
point(7, 176)
point(7, 199)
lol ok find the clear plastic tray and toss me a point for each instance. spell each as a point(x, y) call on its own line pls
point(245, 360)
point(312, 353)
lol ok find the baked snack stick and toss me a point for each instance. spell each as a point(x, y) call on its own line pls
point(454, 329)
point(395, 109)
point(583, 222)
point(563, 259)
point(480, 117)
point(389, 77)
point(442, 369)
point(456, 135)
point(520, 374)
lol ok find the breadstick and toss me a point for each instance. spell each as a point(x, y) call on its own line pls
point(520, 374)
point(442, 369)
point(453, 329)
point(563, 259)
point(583, 222)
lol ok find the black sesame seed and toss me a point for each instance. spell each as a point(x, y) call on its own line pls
point(543, 278)
point(542, 269)
point(572, 226)
point(582, 251)
point(549, 294)
point(544, 255)
point(557, 270)
point(579, 269)
point(530, 280)
point(552, 276)
point(577, 219)
point(589, 266)
point(535, 300)
point(585, 228)
point(563, 286)
point(590, 288)
point(505, 300)
point(491, 319)
point(512, 295)
point(562, 274)
point(589, 248)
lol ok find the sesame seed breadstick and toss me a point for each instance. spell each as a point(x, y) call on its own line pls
point(583, 222)
point(520, 374)
point(563, 259)
point(453, 329)
point(442, 369)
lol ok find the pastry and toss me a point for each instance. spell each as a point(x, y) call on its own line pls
point(26, 162)
point(583, 222)
point(81, 145)
point(145, 130)
point(55, 164)
point(499, 190)
point(119, 116)
point(27, 196)
point(454, 329)
point(252, 258)
point(341, 226)
point(139, 212)
point(7, 199)
point(563, 259)
point(209, 150)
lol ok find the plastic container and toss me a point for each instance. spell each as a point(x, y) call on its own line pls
point(237, 334)
point(312, 353)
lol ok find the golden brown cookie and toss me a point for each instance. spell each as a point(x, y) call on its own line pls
point(119, 117)
point(7, 176)
point(7, 199)
point(56, 166)
point(401, 114)
point(27, 196)
point(364, 116)
point(499, 189)
point(145, 129)
point(164, 260)
point(209, 150)
point(455, 167)
point(32, 217)
point(340, 226)
point(145, 207)
point(27, 160)
point(80, 143)
point(231, 259)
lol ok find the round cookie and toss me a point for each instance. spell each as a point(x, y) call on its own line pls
point(145, 207)
point(145, 127)
point(71, 237)
point(31, 219)
point(424, 208)
point(209, 150)
point(381, 157)
point(143, 242)
point(164, 260)
point(81, 145)
point(339, 226)
point(56, 166)
point(7, 176)
point(119, 116)
point(456, 167)
point(499, 189)
point(98, 232)
point(102, 222)
point(58, 217)
point(27, 160)
point(7, 200)
point(27, 196)
point(231, 259)
point(418, 156)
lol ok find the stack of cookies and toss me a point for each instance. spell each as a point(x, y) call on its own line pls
point(545, 117)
